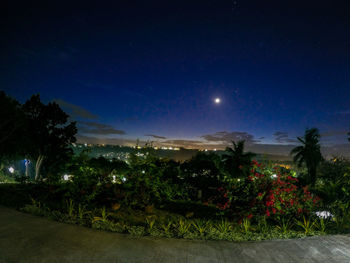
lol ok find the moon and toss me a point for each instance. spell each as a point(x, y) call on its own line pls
point(217, 100)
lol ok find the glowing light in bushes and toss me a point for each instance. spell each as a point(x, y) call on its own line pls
point(66, 177)
point(274, 175)
point(124, 179)
point(11, 169)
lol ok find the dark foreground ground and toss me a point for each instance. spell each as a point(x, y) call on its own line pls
point(26, 238)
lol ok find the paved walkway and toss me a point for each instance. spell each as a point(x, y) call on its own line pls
point(26, 238)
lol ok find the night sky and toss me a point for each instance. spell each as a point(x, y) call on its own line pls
point(151, 70)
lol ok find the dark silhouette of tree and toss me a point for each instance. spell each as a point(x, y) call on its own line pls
point(309, 153)
point(48, 136)
point(349, 137)
point(12, 126)
point(202, 173)
point(236, 162)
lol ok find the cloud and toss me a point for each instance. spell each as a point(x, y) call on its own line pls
point(155, 136)
point(183, 143)
point(110, 141)
point(228, 137)
point(344, 112)
point(131, 119)
point(98, 128)
point(283, 137)
point(75, 111)
point(333, 133)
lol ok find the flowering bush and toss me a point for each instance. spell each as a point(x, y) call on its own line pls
point(271, 192)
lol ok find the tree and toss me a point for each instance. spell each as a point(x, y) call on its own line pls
point(48, 136)
point(237, 162)
point(309, 153)
point(202, 173)
point(12, 126)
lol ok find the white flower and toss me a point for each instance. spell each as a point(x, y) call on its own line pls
point(324, 214)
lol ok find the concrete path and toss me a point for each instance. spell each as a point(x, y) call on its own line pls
point(26, 238)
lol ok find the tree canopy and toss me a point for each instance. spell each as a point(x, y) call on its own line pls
point(309, 153)
point(39, 132)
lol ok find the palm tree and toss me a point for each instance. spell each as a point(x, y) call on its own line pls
point(309, 153)
point(237, 162)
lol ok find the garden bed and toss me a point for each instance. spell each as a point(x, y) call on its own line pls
point(37, 200)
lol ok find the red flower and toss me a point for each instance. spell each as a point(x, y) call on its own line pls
point(249, 216)
point(267, 212)
point(273, 210)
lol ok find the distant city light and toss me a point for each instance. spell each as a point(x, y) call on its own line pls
point(214, 150)
point(11, 170)
point(217, 100)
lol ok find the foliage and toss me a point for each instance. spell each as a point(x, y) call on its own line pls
point(201, 174)
point(49, 136)
point(246, 225)
point(260, 193)
point(307, 224)
point(201, 226)
point(12, 128)
point(145, 184)
point(285, 225)
point(309, 153)
point(236, 161)
point(183, 227)
point(334, 183)
point(37, 132)
point(6, 178)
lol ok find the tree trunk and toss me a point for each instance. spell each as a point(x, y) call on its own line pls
point(312, 175)
point(38, 166)
point(27, 167)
